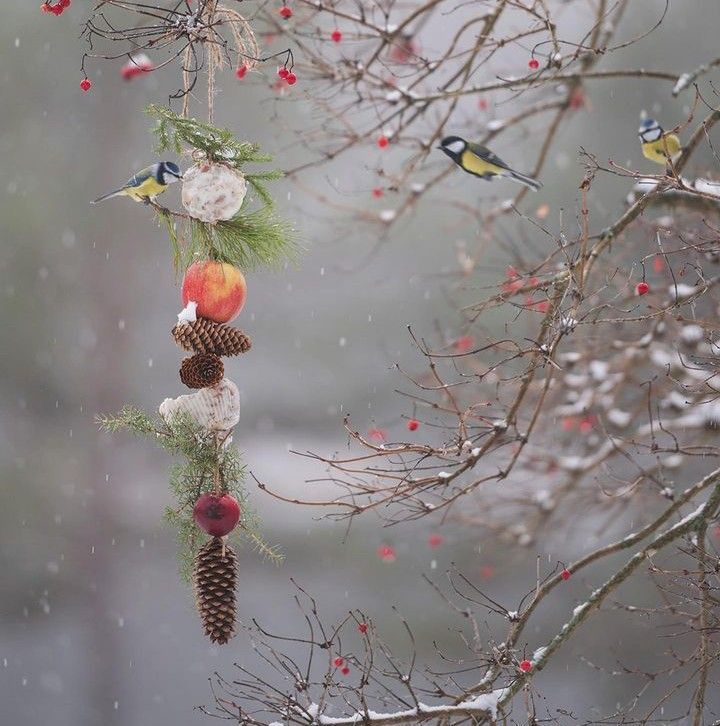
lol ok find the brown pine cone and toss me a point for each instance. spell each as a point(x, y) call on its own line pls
point(206, 336)
point(202, 370)
point(215, 579)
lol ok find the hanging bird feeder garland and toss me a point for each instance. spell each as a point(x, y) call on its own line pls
point(228, 226)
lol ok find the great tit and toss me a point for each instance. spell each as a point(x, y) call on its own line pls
point(480, 161)
point(657, 145)
point(148, 183)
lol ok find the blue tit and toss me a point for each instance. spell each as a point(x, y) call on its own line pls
point(657, 145)
point(480, 161)
point(148, 183)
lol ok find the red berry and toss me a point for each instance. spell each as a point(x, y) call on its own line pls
point(658, 263)
point(291, 79)
point(216, 514)
point(338, 661)
point(387, 553)
point(534, 64)
point(383, 142)
point(241, 72)
point(487, 572)
point(412, 424)
point(285, 12)
point(435, 540)
point(464, 343)
point(283, 72)
point(565, 574)
point(525, 665)
point(378, 192)
point(46, 8)
point(482, 104)
point(377, 434)
point(64, 3)
point(363, 628)
point(345, 671)
point(86, 84)
point(642, 288)
point(57, 9)
point(587, 423)
point(336, 36)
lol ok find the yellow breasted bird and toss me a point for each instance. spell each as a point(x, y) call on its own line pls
point(148, 183)
point(480, 161)
point(658, 145)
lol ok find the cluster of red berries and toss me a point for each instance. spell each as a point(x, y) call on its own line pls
point(339, 662)
point(57, 9)
point(287, 75)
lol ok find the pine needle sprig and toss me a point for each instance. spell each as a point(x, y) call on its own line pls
point(254, 237)
point(207, 462)
point(176, 133)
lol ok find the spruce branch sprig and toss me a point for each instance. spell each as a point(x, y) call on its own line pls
point(207, 461)
point(255, 237)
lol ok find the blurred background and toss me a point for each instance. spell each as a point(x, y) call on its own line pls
point(96, 626)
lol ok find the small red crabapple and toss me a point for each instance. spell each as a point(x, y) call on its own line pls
point(565, 574)
point(482, 104)
point(86, 84)
point(642, 288)
point(291, 79)
point(435, 540)
point(383, 142)
point(378, 192)
point(336, 36)
point(534, 64)
point(283, 72)
point(338, 661)
point(363, 628)
point(412, 424)
point(241, 72)
point(525, 665)
point(345, 671)
point(285, 12)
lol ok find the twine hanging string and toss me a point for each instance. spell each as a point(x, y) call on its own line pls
point(214, 17)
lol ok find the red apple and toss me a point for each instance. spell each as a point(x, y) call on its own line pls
point(216, 514)
point(218, 288)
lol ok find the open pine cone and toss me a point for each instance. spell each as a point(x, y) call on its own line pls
point(205, 336)
point(202, 370)
point(215, 580)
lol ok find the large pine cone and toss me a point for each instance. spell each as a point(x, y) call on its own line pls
point(202, 370)
point(206, 336)
point(215, 580)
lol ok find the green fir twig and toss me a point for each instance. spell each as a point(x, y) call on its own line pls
point(255, 237)
point(206, 459)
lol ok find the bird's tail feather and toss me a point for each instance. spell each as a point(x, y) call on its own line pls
point(116, 193)
point(529, 182)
